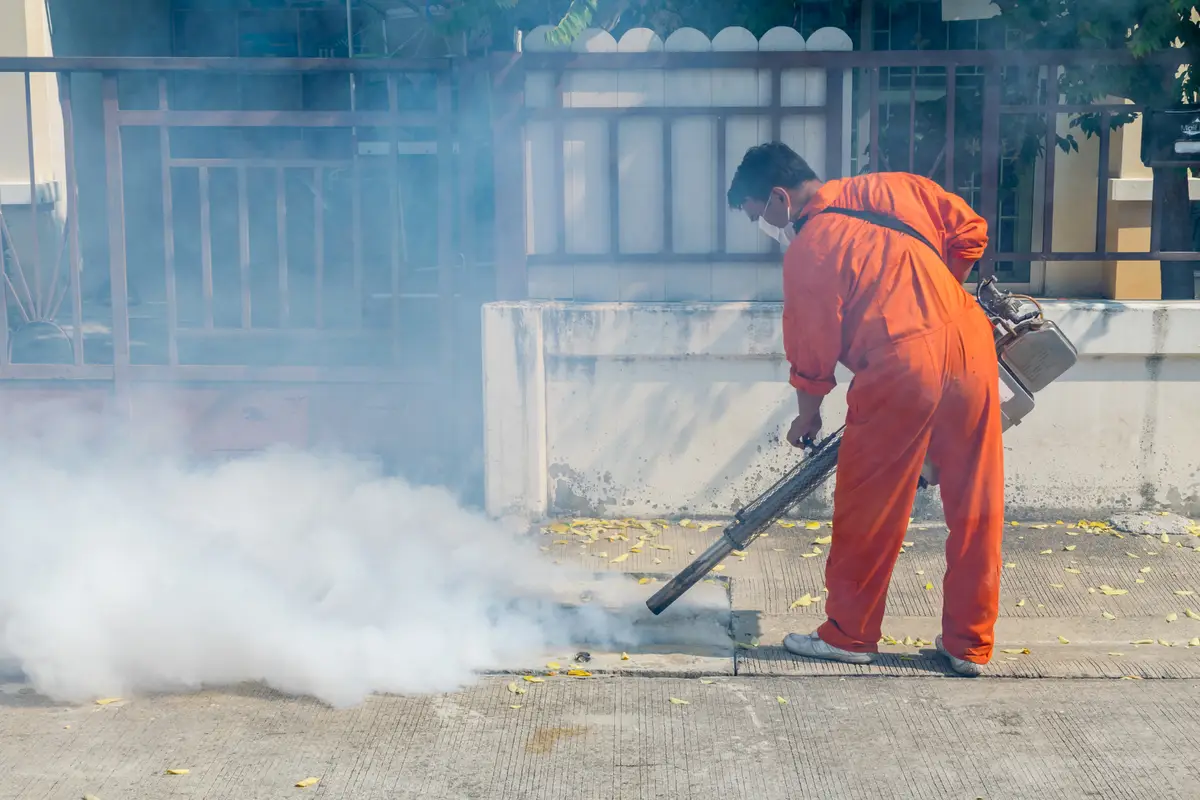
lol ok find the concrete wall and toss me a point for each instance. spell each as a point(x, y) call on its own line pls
point(671, 409)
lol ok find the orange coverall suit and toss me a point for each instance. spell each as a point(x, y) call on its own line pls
point(926, 380)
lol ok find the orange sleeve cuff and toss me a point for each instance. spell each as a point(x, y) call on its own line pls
point(810, 386)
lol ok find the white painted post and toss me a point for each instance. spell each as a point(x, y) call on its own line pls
point(835, 40)
point(585, 149)
point(740, 87)
point(541, 214)
point(640, 150)
point(694, 200)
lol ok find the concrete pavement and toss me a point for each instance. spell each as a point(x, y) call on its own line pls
point(1110, 712)
point(624, 738)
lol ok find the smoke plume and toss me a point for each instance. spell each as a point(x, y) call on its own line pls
point(126, 567)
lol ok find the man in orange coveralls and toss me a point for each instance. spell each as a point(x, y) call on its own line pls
point(890, 305)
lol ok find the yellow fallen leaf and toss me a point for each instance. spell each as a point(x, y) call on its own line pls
point(738, 553)
point(663, 547)
point(579, 673)
point(1165, 643)
point(1070, 547)
point(1045, 552)
point(512, 687)
point(1040, 527)
point(1059, 522)
point(619, 558)
point(809, 555)
point(1116, 654)
point(514, 707)
point(558, 527)
point(823, 540)
point(1014, 524)
point(928, 586)
point(178, 771)
point(678, 702)
point(533, 679)
point(1063, 640)
point(1194, 642)
point(782, 701)
point(803, 602)
point(908, 641)
point(306, 782)
point(1021, 602)
point(1111, 592)
point(920, 571)
point(909, 544)
point(1131, 555)
point(104, 701)
point(635, 549)
point(1058, 585)
point(1191, 614)
point(685, 523)
point(705, 681)
point(718, 568)
point(1145, 569)
point(1107, 615)
point(1072, 571)
point(553, 665)
point(1172, 617)
point(1165, 539)
point(812, 526)
point(1017, 651)
point(1011, 565)
point(1139, 580)
point(624, 656)
point(644, 581)
point(1142, 641)
point(706, 525)
point(783, 524)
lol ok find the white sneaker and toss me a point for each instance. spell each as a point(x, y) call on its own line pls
point(966, 668)
point(810, 645)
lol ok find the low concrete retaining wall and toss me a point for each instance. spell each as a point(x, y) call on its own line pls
point(668, 409)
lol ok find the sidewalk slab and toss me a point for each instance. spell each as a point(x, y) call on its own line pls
point(623, 739)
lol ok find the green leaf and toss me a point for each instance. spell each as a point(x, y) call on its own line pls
point(574, 22)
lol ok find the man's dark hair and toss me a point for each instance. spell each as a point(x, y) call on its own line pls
point(764, 167)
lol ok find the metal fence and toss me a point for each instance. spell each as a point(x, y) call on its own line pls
point(989, 125)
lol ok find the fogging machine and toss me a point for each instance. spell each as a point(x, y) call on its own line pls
point(1033, 352)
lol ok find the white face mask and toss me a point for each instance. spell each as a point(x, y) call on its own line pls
point(782, 235)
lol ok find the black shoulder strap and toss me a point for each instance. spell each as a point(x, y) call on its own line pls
point(885, 221)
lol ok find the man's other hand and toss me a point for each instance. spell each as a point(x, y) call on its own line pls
point(804, 429)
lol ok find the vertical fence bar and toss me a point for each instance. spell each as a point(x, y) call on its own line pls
point(319, 245)
point(168, 202)
point(990, 164)
point(356, 249)
point(445, 232)
point(668, 171)
point(118, 269)
point(75, 259)
point(875, 158)
point(951, 116)
point(912, 121)
point(508, 176)
point(614, 189)
point(244, 249)
point(722, 213)
point(1105, 136)
point(560, 188)
point(1158, 190)
point(775, 120)
point(37, 306)
point(834, 123)
point(1051, 155)
point(397, 216)
point(285, 307)
point(206, 267)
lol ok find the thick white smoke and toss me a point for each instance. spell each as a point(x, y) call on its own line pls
point(124, 568)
